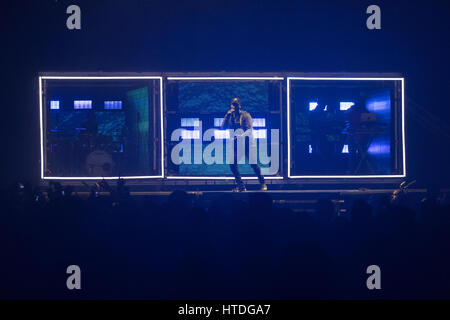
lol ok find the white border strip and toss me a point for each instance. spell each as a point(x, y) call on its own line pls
point(41, 128)
point(161, 101)
point(43, 177)
point(222, 78)
point(334, 78)
point(225, 78)
point(101, 178)
point(288, 126)
point(403, 128)
point(222, 178)
point(344, 176)
point(99, 77)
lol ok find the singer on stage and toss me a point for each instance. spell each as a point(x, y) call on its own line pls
point(236, 118)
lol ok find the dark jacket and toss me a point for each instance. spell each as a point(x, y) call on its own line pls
point(244, 123)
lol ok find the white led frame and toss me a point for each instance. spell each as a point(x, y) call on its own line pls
point(41, 124)
point(221, 178)
point(223, 78)
point(344, 176)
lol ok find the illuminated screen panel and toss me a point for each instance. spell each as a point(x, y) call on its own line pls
point(196, 107)
point(214, 96)
point(102, 127)
point(344, 127)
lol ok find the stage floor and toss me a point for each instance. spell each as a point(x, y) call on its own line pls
point(298, 200)
point(251, 188)
point(297, 197)
point(281, 193)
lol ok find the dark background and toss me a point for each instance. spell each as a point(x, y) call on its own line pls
point(276, 35)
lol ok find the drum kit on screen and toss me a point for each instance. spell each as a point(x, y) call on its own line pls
point(89, 154)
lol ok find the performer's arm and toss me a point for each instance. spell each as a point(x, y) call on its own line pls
point(225, 121)
point(247, 124)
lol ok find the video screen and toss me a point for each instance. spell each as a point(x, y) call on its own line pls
point(197, 109)
point(345, 127)
point(102, 128)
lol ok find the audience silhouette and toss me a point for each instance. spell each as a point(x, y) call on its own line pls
point(241, 246)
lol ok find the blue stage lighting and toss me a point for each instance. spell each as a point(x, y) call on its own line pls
point(113, 105)
point(218, 122)
point(190, 134)
point(259, 122)
point(379, 148)
point(260, 134)
point(309, 148)
point(380, 104)
point(345, 148)
point(343, 106)
point(313, 106)
point(221, 134)
point(82, 104)
point(54, 105)
point(190, 122)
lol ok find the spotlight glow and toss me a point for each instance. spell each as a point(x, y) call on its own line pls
point(345, 148)
point(260, 134)
point(221, 134)
point(343, 106)
point(217, 122)
point(82, 104)
point(190, 134)
point(54, 105)
point(313, 106)
point(113, 105)
point(259, 122)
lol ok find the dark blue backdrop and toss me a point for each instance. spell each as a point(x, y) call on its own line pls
point(282, 35)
